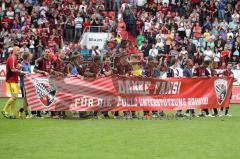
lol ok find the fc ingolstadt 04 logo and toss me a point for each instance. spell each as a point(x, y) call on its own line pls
point(221, 87)
point(45, 90)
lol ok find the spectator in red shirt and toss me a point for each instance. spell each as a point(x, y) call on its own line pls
point(86, 23)
point(225, 55)
point(6, 22)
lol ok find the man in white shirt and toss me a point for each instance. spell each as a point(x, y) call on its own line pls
point(42, 20)
point(184, 53)
point(208, 54)
point(10, 14)
point(235, 17)
point(147, 25)
point(43, 9)
point(83, 7)
point(3, 6)
point(153, 52)
point(177, 71)
point(78, 27)
point(24, 48)
point(217, 57)
point(160, 36)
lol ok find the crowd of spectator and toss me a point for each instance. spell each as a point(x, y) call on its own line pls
point(164, 29)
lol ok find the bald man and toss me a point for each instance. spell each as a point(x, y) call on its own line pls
point(12, 73)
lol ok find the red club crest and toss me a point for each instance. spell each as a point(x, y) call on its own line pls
point(45, 90)
point(221, 87)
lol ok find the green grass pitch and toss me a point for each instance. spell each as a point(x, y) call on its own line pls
point(199, 138)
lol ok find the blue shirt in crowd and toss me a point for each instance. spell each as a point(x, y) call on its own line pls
point(187, 72)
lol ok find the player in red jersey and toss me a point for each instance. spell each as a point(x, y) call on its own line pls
point(204, 71)
point(59, 69)
point(43, 65)
point(12, 74)
point(59, 65)
point(227, 73)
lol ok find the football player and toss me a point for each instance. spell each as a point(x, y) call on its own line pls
point(43, 65)
point(227, 73)
point(12, 73)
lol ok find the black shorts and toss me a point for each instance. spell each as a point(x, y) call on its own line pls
point(23, 92)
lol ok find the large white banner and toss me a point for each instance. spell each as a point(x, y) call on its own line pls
point(95, 39)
